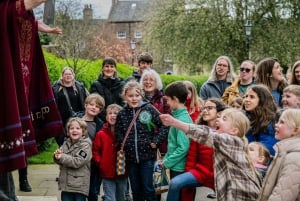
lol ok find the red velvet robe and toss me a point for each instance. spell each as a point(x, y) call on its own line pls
point(28, 112)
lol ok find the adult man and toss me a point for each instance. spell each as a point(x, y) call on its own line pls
point(145, 61)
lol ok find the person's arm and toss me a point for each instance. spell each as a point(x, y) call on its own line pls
point(31, 4)
point(168, 120)
point(42, 27)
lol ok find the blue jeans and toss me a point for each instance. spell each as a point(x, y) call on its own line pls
point(114, 189)
point(141, 180)
point(186, 179)
point(71, 196)
point(95, 183)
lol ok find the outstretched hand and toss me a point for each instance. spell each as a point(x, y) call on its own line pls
point(167, 119)
point(31, 4)
point(42, 27)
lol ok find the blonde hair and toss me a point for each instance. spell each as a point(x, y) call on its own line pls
point(294, 89)
point(67, 68)
point(195, 99)
point(113, 106)
point(292, 118)
point(81, 123)
point(98, 99)
point(130, 85)
point(262, 151)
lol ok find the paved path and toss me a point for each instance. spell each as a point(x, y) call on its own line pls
point(44, 186)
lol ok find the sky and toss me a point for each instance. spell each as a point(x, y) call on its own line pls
point(100, 8)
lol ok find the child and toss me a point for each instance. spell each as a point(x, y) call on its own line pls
point(146, 134)
point(193, 102)
point(283, 177)
point(104, 155)
point(178, 143)
point(199, 160)
point(94, 104)
point(237, 103)
point(291, 97)
point(260, 157)
point(74, 159)
point(235, 176)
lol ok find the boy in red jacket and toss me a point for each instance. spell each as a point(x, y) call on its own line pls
point(105, 154)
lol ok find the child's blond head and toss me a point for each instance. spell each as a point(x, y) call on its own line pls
point(263, 153)
point(81, 123)
point(292, 118)
point(99, 100)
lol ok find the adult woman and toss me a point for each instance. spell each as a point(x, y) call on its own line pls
point(240, 85)
point(70, 95)
point(108, 85)
point(221, 76)
point(260, 109)
point(269, 73)
point(295, 77)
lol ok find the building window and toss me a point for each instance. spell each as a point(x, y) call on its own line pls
point(137, 34)
point(121, 34)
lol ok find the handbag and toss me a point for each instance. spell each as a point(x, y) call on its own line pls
point(72, 112)
point(160, 176)
point(120, 163)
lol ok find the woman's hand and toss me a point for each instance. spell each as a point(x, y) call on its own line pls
point(167, 119)
point(31, 4)
point(42, 27)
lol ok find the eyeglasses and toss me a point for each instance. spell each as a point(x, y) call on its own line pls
point(247, 70)
point(208, 108)
point(223, 65)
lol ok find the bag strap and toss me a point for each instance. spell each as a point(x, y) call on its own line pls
point(129, 128)
point(67, 98)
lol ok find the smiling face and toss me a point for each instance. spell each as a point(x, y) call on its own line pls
point(290, 100)
point(92, 108)
point(149, 84)
point(132, 97)
point(68, 76)
point(75, 131)
point(209, 112)
point(251, 100)
point(109, 70)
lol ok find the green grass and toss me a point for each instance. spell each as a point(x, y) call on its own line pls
point(45, 156)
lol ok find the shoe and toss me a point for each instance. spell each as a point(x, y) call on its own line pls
point(128, 198)
point(25, 186)
point(212, 195)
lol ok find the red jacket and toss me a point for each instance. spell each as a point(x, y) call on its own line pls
point(105, 153)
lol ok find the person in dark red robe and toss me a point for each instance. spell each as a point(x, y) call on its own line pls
point(28, 112)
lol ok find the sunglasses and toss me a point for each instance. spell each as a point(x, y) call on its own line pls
point(247, 70)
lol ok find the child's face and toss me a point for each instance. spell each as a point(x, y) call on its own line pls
point(111, 116)
point(254, 153)
point(173, 103)
point(224, 125)
point(133, 98)
point(109, 70)
point(209, 112)
point(236, 106)
point(92, 109)
point(251, 100)
point(290, 100)
point(283, 130)
point(75, 131)
point(149, 84)
point(144, 65)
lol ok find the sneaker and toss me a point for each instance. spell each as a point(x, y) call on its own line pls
point(25, 186)
point(212, 195)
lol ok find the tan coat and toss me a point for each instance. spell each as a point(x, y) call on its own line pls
point(231, 92)
point(282, 182)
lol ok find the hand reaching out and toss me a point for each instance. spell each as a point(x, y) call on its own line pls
point(42, 27)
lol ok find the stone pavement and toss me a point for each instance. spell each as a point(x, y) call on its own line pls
point(44, 186)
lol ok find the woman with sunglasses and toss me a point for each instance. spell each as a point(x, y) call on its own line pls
point(238, 88)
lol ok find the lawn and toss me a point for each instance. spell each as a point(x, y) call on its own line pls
point(46, 154)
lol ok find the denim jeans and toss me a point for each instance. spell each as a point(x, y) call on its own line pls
point(186, 179)
point(114, 189)
point(71, 196)
point(95, 183)
point(141, 180)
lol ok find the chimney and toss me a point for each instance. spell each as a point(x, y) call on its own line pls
point(87, 12)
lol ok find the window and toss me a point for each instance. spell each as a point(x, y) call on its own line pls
point(137, 34)
point(121, 34)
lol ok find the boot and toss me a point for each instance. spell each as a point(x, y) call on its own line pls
point(25, 186)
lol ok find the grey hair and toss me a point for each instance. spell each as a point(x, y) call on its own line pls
point(230, 75)
point(155, 75)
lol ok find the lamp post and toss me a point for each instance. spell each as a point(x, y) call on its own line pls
point(248, 29)
point(132, 47)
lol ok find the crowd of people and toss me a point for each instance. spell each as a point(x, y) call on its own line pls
point(239, 136)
